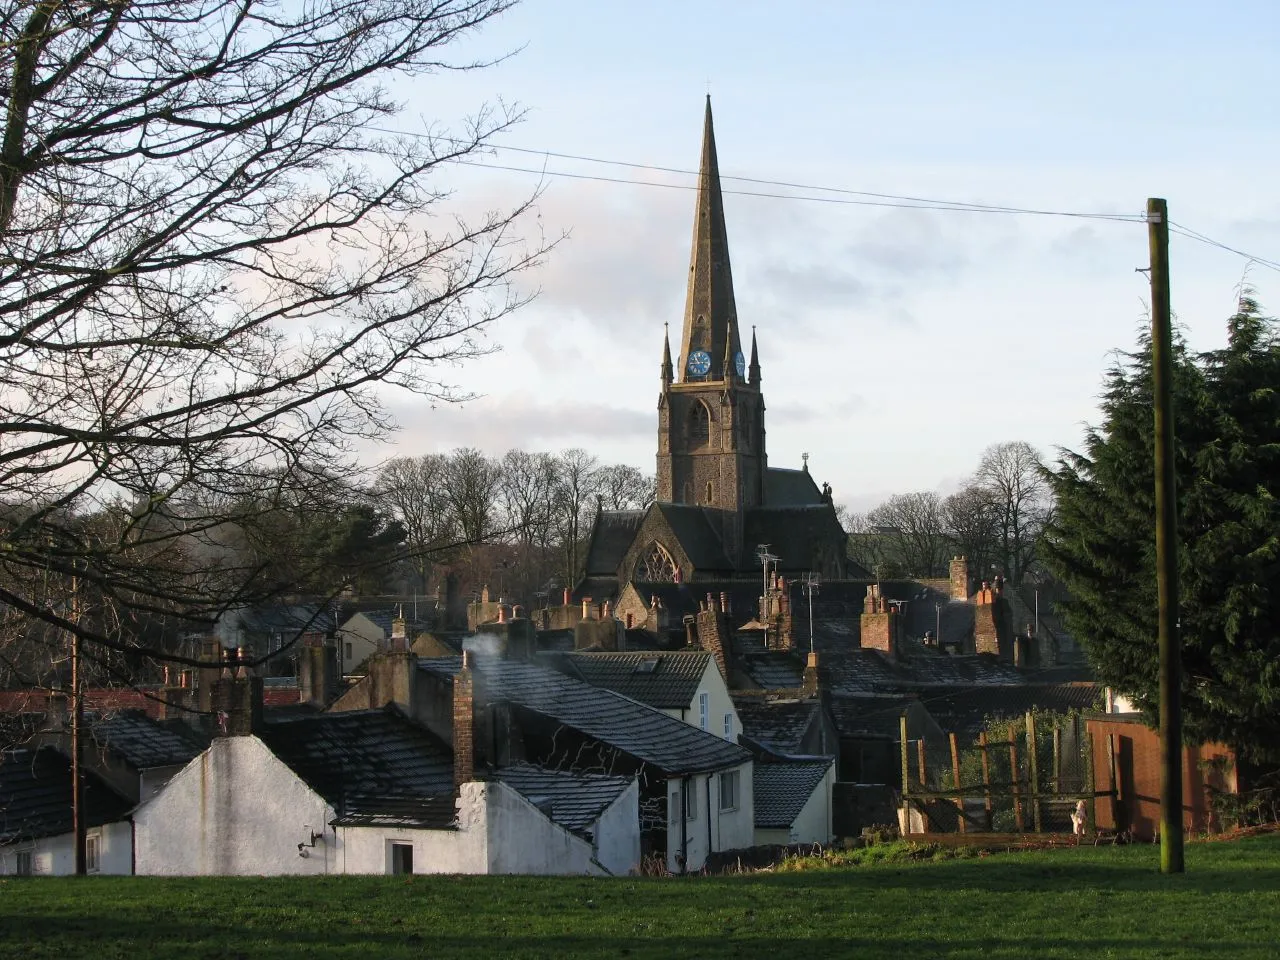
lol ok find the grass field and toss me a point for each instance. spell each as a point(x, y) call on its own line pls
point(1085, 902)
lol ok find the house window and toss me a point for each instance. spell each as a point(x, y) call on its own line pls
point(23, 868)
point(728, 726)
point(691, 801)
point(401, 857)
point(347, 652)
point(704, 711)
point(91, 844)
point(729, 790)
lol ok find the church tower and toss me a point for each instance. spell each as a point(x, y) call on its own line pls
point(711, 450)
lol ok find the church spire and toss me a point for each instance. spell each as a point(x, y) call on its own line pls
point(753, 373)
point(709, 314)
point(666, 356)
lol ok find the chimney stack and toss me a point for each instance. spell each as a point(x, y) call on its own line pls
point(399, 632)
point(317, 671)
point(464, 756)
point(238, 696)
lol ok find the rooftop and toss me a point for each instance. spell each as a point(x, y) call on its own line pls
point(667, 681)
point(778, 726)
point(634, 728)
point(35, 796)
point(782, 788)
point(371, 766)
point(573, 800)
point(144, 742)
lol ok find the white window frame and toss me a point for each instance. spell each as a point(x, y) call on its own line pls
point(734, 780)
point(704, 710)
point(728, 726)
point(691, 800)
point(93, 851)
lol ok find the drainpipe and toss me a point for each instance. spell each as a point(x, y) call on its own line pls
point(710, 846)
point(684, 825)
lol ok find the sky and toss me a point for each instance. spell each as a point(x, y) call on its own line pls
point(895, 344)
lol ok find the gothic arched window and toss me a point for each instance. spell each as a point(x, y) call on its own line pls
point(699, 424)
point(657, 566)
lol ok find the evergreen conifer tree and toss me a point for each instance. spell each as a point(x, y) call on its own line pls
point(1101, 541)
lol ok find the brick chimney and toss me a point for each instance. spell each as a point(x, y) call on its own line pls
point(879, 625)
point(317, 670)
point(992, 621)
point(237, 697)
point(399, 633)
point(959, 578)
point(464, 721)
point(713, 635)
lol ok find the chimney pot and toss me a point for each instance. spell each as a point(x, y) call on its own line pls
point(566, 596)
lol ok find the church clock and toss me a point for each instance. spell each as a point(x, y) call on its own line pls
point(699, 363)
point(740, 363)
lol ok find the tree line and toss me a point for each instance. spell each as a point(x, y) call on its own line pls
point(995, 520)
point(518, 522)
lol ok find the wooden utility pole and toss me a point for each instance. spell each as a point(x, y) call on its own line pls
point(1166, 544)
point(78, 826)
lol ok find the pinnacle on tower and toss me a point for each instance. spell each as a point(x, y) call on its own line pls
point(667, 375)
point(710, 315)
point(753, 373)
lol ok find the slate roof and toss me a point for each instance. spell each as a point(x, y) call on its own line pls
point(785, 487)
point(782, 788)
point(35, 796)
point(774, 670)
point(793, 533)
point(371, 766)
point(698, 538)
point(283, 618)
point(573, 800)
point(145, 743)
point(667, 681)
point(777, 725)
point(680, 599)
point(967, 709)
point(869, 717)
point(611, 538)
point(640, 731)
point(382, 620)
point(873, 671)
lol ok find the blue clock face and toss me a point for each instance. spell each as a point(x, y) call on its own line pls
point(699, 363)
point(740, 363)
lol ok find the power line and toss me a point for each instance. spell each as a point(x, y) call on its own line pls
point(845, 196)
point(871, 198)
point(1185, 231)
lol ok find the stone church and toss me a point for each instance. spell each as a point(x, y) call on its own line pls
point(718, 500)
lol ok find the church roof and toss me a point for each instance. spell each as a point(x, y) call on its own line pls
point(699, 540)
point(784, 487)
point(710, 316)
point(611, 537)
point(791, 532)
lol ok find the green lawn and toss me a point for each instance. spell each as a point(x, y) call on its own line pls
point(1086, 902)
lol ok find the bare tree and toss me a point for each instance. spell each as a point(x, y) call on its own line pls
point(209, 259)
point(972, 520)
point(914, 521)
point(577, 483)
point(624, 487)
point(414, 490)
point(1012, 475)
point(472, 486)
